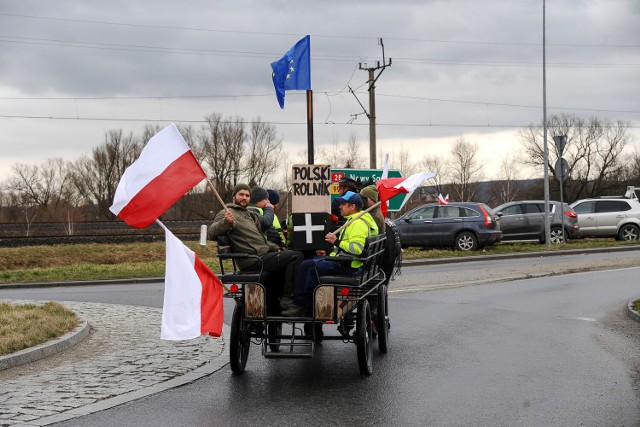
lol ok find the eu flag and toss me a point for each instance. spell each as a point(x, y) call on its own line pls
point(293, 70)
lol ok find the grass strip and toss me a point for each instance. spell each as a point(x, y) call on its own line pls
point(75, 262)
point(27, 325)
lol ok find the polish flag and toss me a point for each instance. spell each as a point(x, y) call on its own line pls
point(164, 172)
point(391, 187)
point(192, 294)
point(443, 200)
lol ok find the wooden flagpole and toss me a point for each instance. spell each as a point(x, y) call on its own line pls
point(217, 195)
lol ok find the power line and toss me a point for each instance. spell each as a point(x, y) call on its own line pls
point(507, 105)
point(249, 54)
point(173, 27)
point(415, 125)
point(329, 93)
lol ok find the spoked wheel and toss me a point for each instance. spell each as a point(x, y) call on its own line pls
point(382, 319)
point(364, 338)
point(273, 330)
point(240, 341)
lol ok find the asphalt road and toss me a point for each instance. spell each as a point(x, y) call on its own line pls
point(550, 350)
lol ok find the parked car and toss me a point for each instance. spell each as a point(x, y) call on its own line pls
point(524, 220)
point(465, 226)
point(617, 217)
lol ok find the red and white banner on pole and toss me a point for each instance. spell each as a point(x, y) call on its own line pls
point(164, 172)
point(443, 200)
point(390, 187)
point(192, 294)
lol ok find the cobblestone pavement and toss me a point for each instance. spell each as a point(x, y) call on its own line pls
point(121, 359)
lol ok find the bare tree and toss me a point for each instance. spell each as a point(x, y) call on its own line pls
point(354, 152)
point(402, 160)
point(437, 165)
point(220, 147)
point(466, 170)
point(631, 170)
point(505, 188)
point(43, 187)
point(263, 153)
point(593, 151)
point(332, 154)
point(96, 177)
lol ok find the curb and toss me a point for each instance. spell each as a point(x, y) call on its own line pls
point(207, 369)
point(632, 313)
point(47, 348)
point(80, 283)
point(540, 254)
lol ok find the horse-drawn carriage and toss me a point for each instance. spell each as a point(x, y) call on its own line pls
point(356, 305)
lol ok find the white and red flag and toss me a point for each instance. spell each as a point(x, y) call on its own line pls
point(443, 200)
point(192, 294)
point(390, 187)
point(164, 172)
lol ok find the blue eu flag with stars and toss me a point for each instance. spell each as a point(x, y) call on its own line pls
point(293, 70)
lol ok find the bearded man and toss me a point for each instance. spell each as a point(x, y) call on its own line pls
point(245, 236)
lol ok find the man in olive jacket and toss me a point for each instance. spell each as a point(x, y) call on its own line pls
point(245, 236)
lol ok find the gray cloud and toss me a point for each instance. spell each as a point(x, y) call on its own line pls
point(455, 63)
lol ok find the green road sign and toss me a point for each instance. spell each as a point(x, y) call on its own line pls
point(365, 177)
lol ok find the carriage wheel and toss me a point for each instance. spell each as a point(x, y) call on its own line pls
point(273, 330)
point(364, 332)
point(382, 319)
point(240, 341)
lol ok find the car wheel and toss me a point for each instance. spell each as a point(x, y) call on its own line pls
point(629, 232)
point(556, 235)
point(466, 241)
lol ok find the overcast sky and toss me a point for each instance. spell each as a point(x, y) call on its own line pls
point(72, 70)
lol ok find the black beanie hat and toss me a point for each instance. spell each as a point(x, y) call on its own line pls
point(274, 197)
point(239, 187)
point(258, 194)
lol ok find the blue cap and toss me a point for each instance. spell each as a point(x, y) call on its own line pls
point(350, 197)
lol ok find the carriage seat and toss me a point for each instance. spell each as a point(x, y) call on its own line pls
point(370, 272)
point(236, 275)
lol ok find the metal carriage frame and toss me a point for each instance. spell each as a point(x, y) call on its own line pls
point(360, 300)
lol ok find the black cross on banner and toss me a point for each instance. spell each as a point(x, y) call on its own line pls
point(309, 230)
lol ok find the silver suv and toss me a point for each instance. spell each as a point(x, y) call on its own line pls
point(524, 220)
point(617, 217)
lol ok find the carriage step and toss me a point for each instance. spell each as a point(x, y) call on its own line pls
point(287, 355)
point(288, 350)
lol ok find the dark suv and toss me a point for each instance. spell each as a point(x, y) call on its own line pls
point(464, 225)
point(609, 217)
point(524, 220)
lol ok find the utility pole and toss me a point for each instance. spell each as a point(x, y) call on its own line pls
point(372, 102)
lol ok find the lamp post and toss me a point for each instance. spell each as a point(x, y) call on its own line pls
point(547, 223)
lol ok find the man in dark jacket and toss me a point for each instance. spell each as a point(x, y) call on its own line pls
point(344, 185)
point(261, 204)
point(245, 236)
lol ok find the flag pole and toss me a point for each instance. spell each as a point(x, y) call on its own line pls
point(217, 195)
point(310, 126)
point(369, 209)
